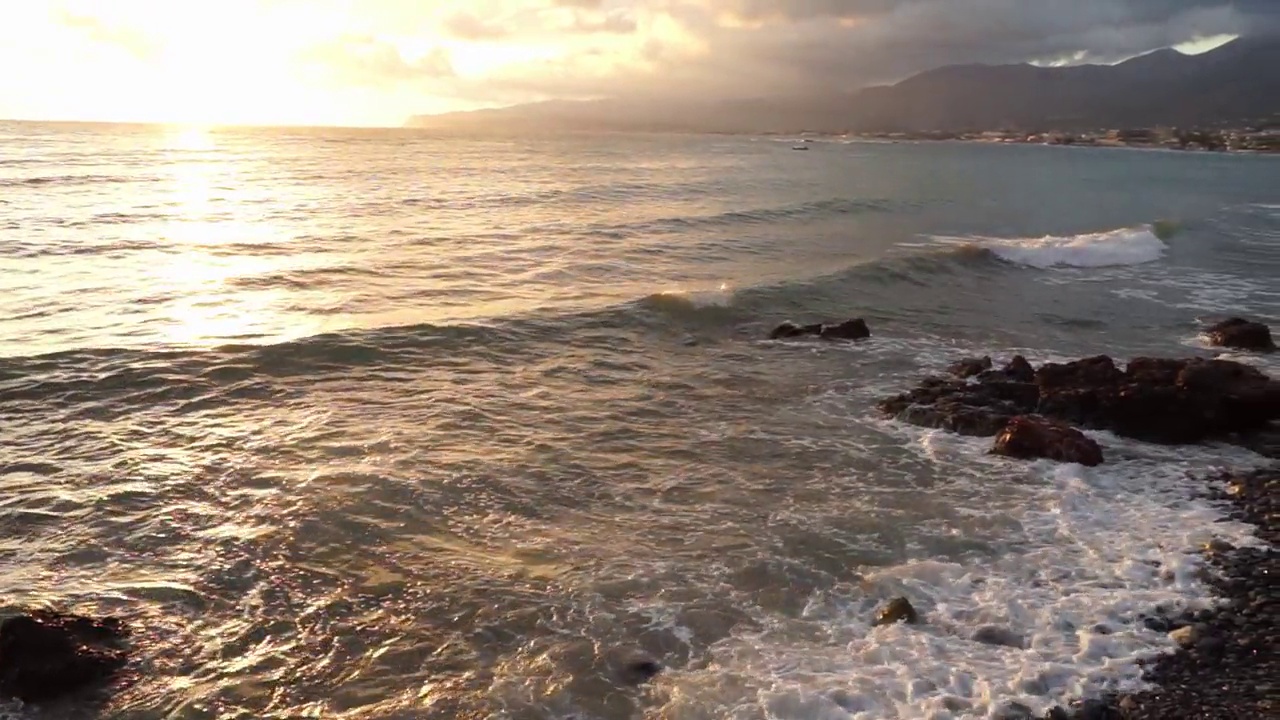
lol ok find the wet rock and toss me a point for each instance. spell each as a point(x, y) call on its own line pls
point(1013, 711)
point(635, 667)
point(848, 330)
point(970, 367)
point(997, 635)
point(1241, 334)
point(1016, 370)
point(1161, 622)
point(855, 329)
point(46, 655)
point(1095, 710)
point(788, 330)
point(1217, 546)
point(897, 610)
point(1170, 401)
point(1186, 636)
point(1030, 436)
point(979, 410)
point(1225, 664)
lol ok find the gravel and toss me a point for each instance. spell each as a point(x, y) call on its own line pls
point(1229, 665)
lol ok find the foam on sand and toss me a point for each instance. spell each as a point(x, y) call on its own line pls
point(1126, 246)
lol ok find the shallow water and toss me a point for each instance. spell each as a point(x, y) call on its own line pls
point(371, 424)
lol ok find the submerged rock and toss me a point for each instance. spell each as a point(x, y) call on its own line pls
point(1168, 401)
point(1030, 436)
point(635, 667)
point(1013, 711)
point(855, 329)
point(897, 610)
point(46, 655)
point(997, 635)
point(1241, 334)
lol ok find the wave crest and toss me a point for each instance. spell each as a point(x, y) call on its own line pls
point(1126, 246)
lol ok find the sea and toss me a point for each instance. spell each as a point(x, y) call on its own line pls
point(386, 424)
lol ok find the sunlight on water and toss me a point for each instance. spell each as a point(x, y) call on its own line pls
point(371, 425)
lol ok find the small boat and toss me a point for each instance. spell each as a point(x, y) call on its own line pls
point(799, 147)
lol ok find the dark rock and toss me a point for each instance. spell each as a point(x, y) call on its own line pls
point(974, 422)
point(1217, 546)
point(855, 329)
point(979, 410)
point(997, 635)
point(635, 667)
point(848, 330)
point(1057, 713)
point(789, 330)
point(46, 655)
point(898, 610)
point(1019, 369)
point(1241, 334)
point(970, 367)
point(1031, 436)
point(1153, 399)
point(1095, 710)
point(1016, 370)
point(1013, 711)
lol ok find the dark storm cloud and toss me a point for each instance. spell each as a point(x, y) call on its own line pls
point(848, 43)
point(762, 47)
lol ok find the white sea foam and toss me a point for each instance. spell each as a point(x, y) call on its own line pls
point(1090, 550)
point(1127, 246)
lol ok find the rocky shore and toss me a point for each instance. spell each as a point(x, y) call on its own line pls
point(1228, 665)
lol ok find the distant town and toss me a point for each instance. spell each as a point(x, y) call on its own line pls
point(1251, 139)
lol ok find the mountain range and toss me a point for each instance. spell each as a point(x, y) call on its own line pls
point(1237, 83)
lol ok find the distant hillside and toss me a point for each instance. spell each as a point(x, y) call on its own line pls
point(1236, 83)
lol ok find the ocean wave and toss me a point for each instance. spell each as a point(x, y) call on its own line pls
point(1086, 554)
point(64, 180)
point(1125, 246)
point(830, 207)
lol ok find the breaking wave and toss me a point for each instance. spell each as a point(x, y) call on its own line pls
point(1126, 246)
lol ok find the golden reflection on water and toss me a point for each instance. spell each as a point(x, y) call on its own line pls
point(204, 216)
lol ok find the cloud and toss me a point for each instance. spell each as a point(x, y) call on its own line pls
point(134, 42)
point(768, 46)
point(545, 22)
point(469, 27)
point(358, 59)
point(613, 22)
point(520, 50)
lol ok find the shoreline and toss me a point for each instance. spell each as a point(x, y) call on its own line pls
point(1226, 666)
point(980, 141)
point(1220, 663)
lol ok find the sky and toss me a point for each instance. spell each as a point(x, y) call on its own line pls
point(376, 62)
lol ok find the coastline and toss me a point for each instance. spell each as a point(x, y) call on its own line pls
point(1226, 666)
point(1222, 664)
point(913, 140)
